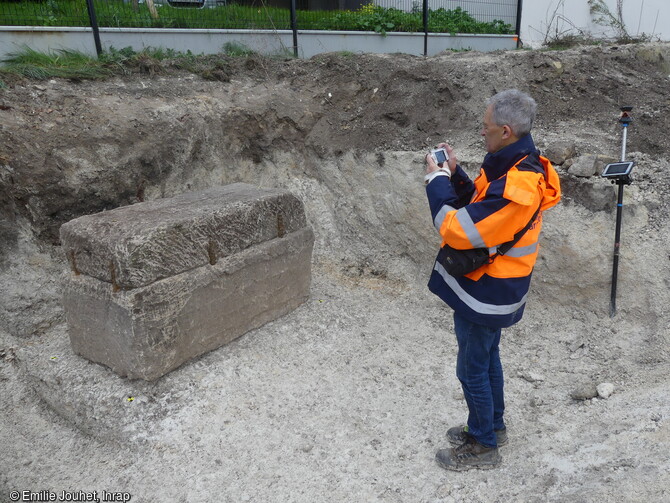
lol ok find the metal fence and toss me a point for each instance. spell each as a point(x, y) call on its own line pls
point(234, 14)
point(434, 16)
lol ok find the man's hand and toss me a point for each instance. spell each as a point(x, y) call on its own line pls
point(431, 166)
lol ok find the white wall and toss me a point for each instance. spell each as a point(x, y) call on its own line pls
point(310, 43)
point(542, 18)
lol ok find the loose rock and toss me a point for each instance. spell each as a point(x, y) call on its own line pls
point(531, 376)
point(584, 166)
point(584, 392)
point(560, 151)
point(605, 390)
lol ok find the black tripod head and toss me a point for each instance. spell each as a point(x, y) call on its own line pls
point(625, 117)
point(619, 172)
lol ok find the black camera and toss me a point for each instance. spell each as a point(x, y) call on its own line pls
point(440, 156)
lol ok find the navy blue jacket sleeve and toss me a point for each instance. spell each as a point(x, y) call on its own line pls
point(440, 192)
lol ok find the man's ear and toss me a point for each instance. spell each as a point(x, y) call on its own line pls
point(507, 132)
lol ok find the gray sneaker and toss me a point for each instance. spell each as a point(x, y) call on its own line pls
point(458, 434)
point(470, 454)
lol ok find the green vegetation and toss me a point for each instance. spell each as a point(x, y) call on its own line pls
point(237, 49)
point(62, 63)
point(117, 13)
point(75, 65)
point(603, 16)
point(570, 40)
point(381, 20)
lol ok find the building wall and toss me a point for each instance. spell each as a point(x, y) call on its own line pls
point(547, 19)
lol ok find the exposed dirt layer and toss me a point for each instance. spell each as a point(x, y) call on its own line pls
point(348, 397)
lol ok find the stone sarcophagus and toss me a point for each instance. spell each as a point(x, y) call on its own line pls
point(156, 284)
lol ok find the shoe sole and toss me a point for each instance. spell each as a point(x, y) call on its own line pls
point(463, 468)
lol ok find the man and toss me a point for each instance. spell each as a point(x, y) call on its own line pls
point(513, 183)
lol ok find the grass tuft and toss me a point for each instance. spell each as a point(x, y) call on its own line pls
point(61, 63)
point(237, 49)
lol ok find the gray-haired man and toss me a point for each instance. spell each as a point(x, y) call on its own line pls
point(515, 185)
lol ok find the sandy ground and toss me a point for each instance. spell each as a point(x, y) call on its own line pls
point(348, 397)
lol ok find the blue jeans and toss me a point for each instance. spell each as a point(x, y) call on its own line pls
point(479, 369)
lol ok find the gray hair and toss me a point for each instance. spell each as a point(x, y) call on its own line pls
point(515, 109)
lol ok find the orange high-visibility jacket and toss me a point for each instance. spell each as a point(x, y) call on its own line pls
point(512, 184)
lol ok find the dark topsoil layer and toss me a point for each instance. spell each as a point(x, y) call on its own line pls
point(55, 163)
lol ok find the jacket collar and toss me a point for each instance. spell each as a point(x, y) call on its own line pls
point(497, 164)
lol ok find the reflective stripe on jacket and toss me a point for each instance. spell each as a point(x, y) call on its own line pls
point(488, 213)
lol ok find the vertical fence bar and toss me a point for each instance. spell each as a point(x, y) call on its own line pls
point(518, 23)
point(425, 27)
point(94, 26)
point(294, 27)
